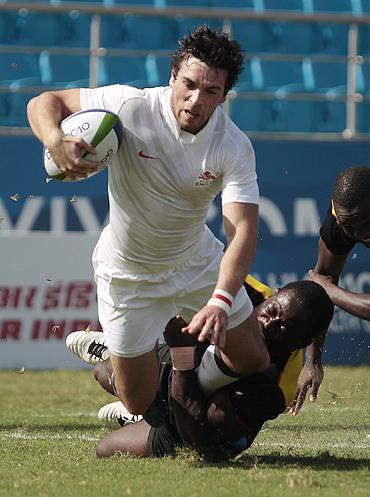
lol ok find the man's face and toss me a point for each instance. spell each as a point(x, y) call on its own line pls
point(283, 326)
point(355, 222)
point(197, 90)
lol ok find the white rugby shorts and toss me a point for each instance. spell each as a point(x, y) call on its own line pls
point(135, 308)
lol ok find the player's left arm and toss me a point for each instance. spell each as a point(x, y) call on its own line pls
point(241, 226)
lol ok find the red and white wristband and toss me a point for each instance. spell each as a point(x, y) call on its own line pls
point(223, 299)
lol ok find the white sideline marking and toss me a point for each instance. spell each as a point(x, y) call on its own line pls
point(262, 445)
point(39, 436)
point(93, 414)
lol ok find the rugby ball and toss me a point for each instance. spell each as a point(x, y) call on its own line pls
point(101, 128)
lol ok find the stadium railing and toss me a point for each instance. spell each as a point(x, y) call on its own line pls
point(338, 106)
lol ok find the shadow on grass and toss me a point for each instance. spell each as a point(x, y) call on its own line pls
point(321, 462)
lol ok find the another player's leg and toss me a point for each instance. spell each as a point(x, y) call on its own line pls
point(131, 439)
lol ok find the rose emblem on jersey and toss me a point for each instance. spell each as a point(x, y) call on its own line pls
point(205, 178)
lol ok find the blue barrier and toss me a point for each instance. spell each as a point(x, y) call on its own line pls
point(295, 181)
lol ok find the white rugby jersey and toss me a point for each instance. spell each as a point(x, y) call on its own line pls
point(163, 179)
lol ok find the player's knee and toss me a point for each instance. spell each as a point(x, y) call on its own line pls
point(104, 449)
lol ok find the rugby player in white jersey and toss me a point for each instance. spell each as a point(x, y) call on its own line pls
point(156, 258)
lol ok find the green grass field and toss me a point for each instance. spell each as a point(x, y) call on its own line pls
point(49, 429)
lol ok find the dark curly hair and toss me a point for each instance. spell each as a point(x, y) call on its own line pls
point(213, 47)
point(351, 187)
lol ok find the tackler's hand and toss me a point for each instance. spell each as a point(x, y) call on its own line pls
point(173, 335)
point(311, 376)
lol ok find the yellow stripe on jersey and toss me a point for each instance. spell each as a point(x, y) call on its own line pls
point(258, 286)
point(289, 377)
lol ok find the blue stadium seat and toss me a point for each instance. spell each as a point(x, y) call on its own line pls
point(366, 6)
point(364, 39)
point(124, 70)
point(294, 5)
point(186, 24)
point(297, 37)
point(363, 117)
point(335, 117)
point(333, 38)
point(155, 3)
point(254, 36)
point(138, 32)
point(364, 83)
point(17, 108)
point(345, 6)
point(245, 82)
point(35, 28)
point(326, 76)
point(239, 4)
point(21, 67)
point(300, 116)
point(158, 70)
point(188, 3)
point(64, 71)
point(76, 29)
point(277, 75)
point(251, 114)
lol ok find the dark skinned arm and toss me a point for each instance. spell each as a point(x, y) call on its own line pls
point(202, 423)
point(312, 374)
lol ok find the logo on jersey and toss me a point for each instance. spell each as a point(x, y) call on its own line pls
point(205, 178)
point(144, 156)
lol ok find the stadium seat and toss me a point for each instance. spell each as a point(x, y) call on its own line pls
point(364, 39)
point(76, 29)
point(188, 3)
point(251, 114)
point(245, 82)
point(294, 5)
point(300, 116)
point(326, 76)
point(158, 70)
point(345, 6)
point(186, 24)
point(254, 36)
point(333, 38)
point(21, 67)
point(124, 70)
point(363, 117)
point(35, 28)
point(364, 83)
point(138, 32)
point(239, 4)
point(110, 3)
point(64, 71)
point(366, 6)
point(277, 75)
point(296, 37)
point(16, 108)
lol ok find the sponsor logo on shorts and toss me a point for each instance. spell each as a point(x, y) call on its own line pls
point(205, 178)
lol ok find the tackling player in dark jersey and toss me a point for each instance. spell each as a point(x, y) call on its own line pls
point(347, 223)
point(228, 420)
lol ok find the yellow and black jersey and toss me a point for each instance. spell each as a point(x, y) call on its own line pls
point(289, 366)
point(336, 241)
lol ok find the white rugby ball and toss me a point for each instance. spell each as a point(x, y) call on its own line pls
point(101, 128)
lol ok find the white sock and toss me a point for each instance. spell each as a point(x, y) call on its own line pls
point(213, 373)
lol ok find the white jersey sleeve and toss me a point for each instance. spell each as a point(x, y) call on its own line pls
point(239, 170)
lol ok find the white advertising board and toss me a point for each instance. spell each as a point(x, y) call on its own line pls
point(46, 291)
